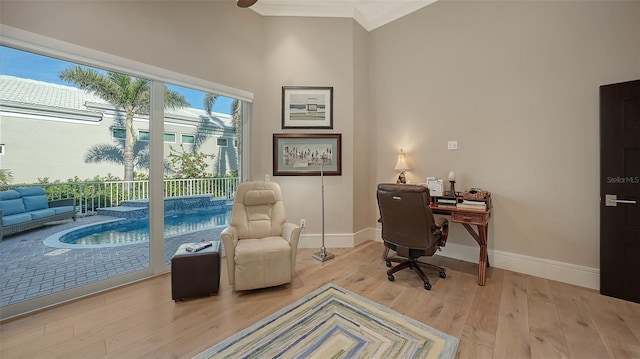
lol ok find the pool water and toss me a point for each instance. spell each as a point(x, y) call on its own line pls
point(132, 231)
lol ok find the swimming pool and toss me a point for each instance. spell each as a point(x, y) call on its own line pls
point(121, 232)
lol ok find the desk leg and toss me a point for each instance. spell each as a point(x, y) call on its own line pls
point(481, 237)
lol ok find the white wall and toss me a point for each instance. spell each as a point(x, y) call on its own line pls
point(516, 84)
point(309, 52)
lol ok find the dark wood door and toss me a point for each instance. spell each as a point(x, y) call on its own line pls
point(619, 189)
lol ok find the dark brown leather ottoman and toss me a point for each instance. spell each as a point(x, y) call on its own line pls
point(195, 274)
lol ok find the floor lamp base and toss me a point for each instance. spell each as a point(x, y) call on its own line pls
point(323, 255)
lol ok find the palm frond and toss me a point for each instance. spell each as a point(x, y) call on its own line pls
point(209, 101)
point(173, 99)
point(105, 153)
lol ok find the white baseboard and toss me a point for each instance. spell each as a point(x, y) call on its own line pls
point(330, 241)
point(539, 267)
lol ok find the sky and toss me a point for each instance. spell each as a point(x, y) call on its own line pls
point(42, 68)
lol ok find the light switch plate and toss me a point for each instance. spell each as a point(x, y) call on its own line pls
point(452, 145)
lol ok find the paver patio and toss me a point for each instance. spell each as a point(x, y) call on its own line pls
point(30, 269)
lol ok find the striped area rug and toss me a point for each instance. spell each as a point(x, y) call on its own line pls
point(333, 322)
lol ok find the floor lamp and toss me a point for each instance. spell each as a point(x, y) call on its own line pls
point(323, 255)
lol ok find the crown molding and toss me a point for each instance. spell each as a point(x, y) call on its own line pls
point(369, 14)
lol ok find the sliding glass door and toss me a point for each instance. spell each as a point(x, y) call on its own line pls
point(124, 149)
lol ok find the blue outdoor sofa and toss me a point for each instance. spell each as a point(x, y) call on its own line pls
point(26, 208)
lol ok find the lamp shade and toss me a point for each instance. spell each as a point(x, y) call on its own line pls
point(401, 165)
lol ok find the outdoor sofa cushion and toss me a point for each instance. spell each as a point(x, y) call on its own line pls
point(41, 213)
point(12, 206)
point(30, 191)
point(10, 194)
point(34, 203)
point(15, 219)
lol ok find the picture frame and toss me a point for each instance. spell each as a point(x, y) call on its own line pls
point(307, 107)
point(307, 154)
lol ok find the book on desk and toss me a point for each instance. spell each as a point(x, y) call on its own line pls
point(459, 202)
point(444, 202)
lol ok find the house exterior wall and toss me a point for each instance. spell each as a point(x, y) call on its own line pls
point(54, 142)
point(39, 148)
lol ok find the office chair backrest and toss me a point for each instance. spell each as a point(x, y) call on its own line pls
point(407, 220)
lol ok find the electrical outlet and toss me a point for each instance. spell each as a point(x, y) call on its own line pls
point(267, 178)
point(452, 145)
point(303, 222)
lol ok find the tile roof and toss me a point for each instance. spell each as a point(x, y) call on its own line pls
point(21, 91)
point(27, 91)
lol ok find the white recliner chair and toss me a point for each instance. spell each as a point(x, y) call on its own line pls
point(260, 245)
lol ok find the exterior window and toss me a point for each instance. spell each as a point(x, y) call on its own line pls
point(168, 137)
point(119, 133)
point(188, 139)
point(143, 135)
point(222, 142)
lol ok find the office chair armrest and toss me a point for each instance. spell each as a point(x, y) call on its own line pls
point(440, 222)
point(441, 226)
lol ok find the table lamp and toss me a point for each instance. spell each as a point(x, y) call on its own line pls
point(401, 166)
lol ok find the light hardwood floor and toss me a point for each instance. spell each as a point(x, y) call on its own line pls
point(513, 316)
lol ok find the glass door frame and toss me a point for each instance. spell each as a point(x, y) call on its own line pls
point(42, 45)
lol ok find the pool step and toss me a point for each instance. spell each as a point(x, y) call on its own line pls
point(124, 212)
point(140, 208)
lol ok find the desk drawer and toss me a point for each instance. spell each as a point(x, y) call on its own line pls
point(466, 217)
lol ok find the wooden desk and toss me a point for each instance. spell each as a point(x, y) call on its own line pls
point(469, 218)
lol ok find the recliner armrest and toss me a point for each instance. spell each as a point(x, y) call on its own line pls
point(288, 231)
point(291, 233)
point(229, 237)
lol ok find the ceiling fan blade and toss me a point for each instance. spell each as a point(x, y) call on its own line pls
point(246, 3)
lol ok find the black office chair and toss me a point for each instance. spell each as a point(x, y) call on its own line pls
point(409, 228)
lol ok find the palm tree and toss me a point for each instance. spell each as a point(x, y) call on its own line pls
point(128, 94)
point(206, 129)
point(5, 176)
point(236, 116)
point(114, 153)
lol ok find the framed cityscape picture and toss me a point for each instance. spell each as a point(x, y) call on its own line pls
point(307, 154)
point(307, 107)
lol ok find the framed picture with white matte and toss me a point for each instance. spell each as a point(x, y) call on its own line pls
point(307, 107)
point(307, 154)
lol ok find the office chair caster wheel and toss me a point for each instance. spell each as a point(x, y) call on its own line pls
point(443, 275)
point(388, 264)
point(391, 278)
point(427, 286)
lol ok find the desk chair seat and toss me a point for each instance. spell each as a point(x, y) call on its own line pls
point(409, 228)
